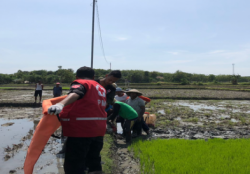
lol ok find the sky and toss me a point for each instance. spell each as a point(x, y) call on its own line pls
point(194, 36)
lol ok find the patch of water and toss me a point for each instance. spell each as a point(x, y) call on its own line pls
point(178, 118)
point(161, 111)
point(196, 107)
point(12, 134)
point(223, 116)
point(48, 161)
point(234, 120)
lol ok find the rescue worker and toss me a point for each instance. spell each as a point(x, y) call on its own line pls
point(127, 115)
point(139, 105)
point(107, 83)
point(83, 120)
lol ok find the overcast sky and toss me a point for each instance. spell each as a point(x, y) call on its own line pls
point(194, 36)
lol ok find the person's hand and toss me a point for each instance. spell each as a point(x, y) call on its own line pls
point(55, 109)
point(114, 128)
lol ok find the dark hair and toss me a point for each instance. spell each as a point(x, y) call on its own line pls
point(116, 73)
point(85, 72)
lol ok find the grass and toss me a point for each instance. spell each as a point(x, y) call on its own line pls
point(179, 156)
point(106, 154)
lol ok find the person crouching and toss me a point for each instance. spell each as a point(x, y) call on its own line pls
point(127, 115)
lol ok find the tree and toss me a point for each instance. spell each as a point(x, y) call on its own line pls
point(211, 77)
point(178, 76)
point(146, 77)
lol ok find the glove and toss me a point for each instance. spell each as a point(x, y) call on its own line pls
point(55, 109)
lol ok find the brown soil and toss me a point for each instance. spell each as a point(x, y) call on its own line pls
point(124, 161)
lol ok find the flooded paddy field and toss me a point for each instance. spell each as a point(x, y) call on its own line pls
point(23, 96)
point(181, 119)
point(17, 126)
point(195, 119)
point(187, 93)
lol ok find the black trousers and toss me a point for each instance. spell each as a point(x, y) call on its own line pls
point(139, 125)
point(82, 153)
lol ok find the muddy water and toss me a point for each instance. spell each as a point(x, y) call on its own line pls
point(22, 96)
point(21, 133)
point(219, 105)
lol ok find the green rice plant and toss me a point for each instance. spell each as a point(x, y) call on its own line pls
point(167, 111)
point(179, 156)
point(106, 154)
point(242, 119)
point(207, 114)
point(195, 120)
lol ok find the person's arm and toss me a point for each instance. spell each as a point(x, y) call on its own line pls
point(146, 99)
point(35, 86)
point(60, 91)
point(77, 91)
point(71, 98)
point(116, 108)
point(42, 87)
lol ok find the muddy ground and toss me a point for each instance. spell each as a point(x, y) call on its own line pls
point(27, 96)
point(201, 119)
point(23, 96)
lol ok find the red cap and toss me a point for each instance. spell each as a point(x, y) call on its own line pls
point(58, 83)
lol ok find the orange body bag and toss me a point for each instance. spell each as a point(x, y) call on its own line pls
point(45, 128)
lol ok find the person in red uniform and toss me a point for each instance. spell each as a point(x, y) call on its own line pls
point(83, 119)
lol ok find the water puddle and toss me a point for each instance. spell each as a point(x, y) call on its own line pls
point(196, 107)
point(234, 120)
point(178, 118)
point(9, 135)
point(161, 111)
point(223, 116)
point(31, 94)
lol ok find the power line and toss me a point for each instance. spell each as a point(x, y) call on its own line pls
point(100, 33)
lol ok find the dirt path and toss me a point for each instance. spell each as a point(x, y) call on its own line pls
point(125, 163)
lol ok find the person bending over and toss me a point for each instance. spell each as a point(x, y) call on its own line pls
point(127, 115)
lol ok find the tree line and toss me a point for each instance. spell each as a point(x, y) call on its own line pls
point(133, 76)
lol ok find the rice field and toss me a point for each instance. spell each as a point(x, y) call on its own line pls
point(179, 156)
point(187, 93)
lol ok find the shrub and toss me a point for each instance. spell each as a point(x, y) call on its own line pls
point(184, 82)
